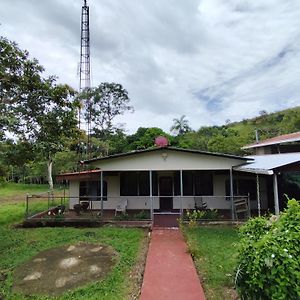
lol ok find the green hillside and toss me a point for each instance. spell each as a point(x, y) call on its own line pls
point(231, 137)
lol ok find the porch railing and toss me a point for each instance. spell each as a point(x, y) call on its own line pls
point(94, 205)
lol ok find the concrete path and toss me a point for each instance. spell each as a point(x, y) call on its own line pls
point(170, 272)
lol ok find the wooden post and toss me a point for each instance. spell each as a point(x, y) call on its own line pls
point(27, 196)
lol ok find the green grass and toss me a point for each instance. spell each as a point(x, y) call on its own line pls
point(19, 245)
point(21, 189)
point(214, 253)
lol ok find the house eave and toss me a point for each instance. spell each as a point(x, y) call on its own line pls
point(136, 152)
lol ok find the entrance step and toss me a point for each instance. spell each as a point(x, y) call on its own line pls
point(166, 219)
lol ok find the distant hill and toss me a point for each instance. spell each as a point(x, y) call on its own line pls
point(231, 137)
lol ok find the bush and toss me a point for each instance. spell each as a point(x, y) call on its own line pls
point(192, 217)
point(142, 215)
point(268, 258)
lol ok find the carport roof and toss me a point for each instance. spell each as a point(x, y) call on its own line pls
point(267, 164)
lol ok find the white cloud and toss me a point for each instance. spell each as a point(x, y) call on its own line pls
point(211, 60)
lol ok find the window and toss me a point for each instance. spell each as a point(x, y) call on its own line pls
point(203, 183)
point(197, 183)
point(128, 184)
point(137, 183)
point(242, 187)
point(93, 189)
point(144, 189)
point(187, 178)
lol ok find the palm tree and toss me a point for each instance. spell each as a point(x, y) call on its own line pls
point(180, 126)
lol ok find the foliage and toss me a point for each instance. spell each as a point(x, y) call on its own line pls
point(36, 110)
point(180, 126)
point(214, 252)
point(142, 215)
point(268, 259)
point(103, 104)
point(193, 217)
point(144, 138)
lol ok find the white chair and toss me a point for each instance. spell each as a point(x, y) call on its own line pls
point(121, 207)
point(199, 204)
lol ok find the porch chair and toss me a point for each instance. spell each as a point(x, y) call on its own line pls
point(199, 204)
point(121, 207)
point(241, 208)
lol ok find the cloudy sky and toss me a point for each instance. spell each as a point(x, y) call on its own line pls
point(211, 60)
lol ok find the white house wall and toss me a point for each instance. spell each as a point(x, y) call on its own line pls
point(167, 160)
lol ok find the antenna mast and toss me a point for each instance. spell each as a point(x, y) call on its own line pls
point(85, 73)
point(85, 68)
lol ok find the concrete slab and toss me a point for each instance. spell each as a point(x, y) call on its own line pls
point(170, 272)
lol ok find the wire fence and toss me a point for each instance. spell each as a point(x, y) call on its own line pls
point(47, 205)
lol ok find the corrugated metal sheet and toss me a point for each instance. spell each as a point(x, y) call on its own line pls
point(265, 164)
point(286, 138)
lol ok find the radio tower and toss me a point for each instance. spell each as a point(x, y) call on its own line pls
point(85, 68)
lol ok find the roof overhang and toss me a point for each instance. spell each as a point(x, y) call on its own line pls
point(137, 152)
point(272, 163)
point(84, 175)
point(287, 138)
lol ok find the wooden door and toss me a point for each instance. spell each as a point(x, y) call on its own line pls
point(166, 193)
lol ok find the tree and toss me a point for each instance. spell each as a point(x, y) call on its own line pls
point(20, 80)
point(180, 126)
point(33, 108)
point(103, 104)
point(144, 138)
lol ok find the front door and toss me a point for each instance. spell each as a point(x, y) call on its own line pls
point(165, 193)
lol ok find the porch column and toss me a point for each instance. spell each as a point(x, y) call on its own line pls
point(181, 192)
point(101, 191)
point(231, 193)
point(258, 194)
point(275, 190)
point(150, 193)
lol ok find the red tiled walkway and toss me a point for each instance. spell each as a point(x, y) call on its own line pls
point(170, 272)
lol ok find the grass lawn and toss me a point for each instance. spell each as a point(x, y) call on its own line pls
point(214, 253)
point(19, 245)
point(16, 190)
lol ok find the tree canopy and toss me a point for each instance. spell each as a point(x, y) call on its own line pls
point(33, 108)
point(103, 104)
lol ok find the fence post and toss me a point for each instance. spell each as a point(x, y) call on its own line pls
point(27, 196)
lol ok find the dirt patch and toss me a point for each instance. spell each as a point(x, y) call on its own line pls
point(54, 271)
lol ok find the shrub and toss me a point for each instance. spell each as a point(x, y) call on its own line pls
point(268, 256)
point(142, 215)
point(193, 217)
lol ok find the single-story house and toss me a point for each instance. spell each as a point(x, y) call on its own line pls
point(166, 180)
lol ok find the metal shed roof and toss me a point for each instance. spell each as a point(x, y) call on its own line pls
point(286, 138)
point(266, 164)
